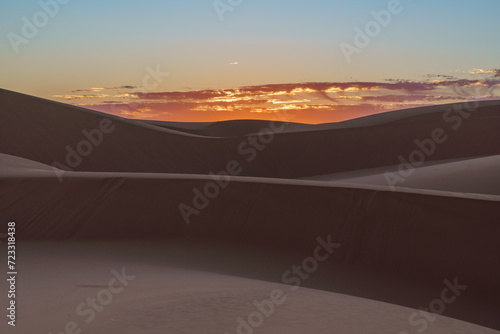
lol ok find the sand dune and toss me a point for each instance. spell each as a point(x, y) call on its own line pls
point(230, 128)
point(479, 176)
point(204, 247)
point(265, 211)
point(12, 165)
point(164, 298)
point(244, 127)
point(48, 128)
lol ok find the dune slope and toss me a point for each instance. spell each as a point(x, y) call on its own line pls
point(423, 237)
point(50, 130)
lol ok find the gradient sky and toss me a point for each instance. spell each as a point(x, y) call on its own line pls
point(97, 54)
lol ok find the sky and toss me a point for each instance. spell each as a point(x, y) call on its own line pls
point(204, 60)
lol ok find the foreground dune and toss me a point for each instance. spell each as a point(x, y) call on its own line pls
point(379, 229)
point(203, 247)
point(161, 298)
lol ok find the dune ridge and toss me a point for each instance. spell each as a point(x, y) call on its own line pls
point(160, 150)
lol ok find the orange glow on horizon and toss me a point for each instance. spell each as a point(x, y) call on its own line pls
point(310, 103)
point(286, 113)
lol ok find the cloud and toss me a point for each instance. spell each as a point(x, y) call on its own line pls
point(495, 72)
point(308, 101)
point(102, 88)
point(141, 113)
point(80, 97)
point(410, 98)
point(478, 71)
point(442, 76)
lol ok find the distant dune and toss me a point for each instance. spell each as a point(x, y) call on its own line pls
point(34, 129)
point(84, 186)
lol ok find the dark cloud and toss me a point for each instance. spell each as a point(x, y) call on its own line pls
point(193, 95)
point(441, 76)
point(409, 98)
point(496, 72)
point(104, 88)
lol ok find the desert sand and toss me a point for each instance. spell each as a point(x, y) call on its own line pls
point(117, 205)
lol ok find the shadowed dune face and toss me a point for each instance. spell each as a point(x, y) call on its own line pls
point(146, 185)
point(360, 219)
point(404, 240)
point(46, 131)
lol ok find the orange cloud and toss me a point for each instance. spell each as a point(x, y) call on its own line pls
point(312, 102)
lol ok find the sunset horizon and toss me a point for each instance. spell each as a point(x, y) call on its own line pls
point(210, 61)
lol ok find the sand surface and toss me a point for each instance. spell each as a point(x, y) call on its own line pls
point(165, 298)
point(119, 207)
